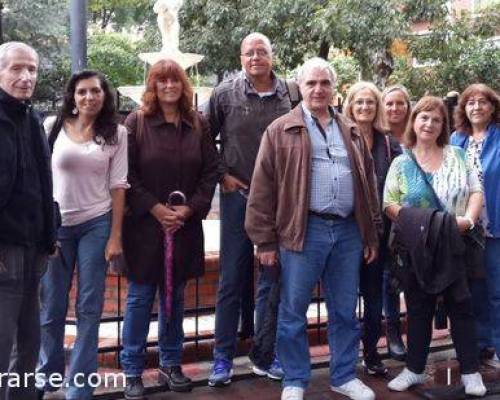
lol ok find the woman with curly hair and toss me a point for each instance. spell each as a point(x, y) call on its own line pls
point(477, 124)
point(89, 166)
point(170, 151)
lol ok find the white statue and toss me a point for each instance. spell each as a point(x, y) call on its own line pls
point(168, 23)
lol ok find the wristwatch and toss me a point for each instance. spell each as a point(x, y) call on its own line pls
point(471, 222)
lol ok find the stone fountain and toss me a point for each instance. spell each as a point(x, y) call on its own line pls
point(168, 24)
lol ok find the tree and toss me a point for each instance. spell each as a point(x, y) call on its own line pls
point(453, 55)
point(115, 55)
point(43, 25)
point(120, 13)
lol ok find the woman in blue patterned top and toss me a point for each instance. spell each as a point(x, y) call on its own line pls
point(459, 192)
point(477, 121)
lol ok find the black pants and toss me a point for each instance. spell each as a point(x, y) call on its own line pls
point(371, 285)
point(20, 271)
point(421, 307)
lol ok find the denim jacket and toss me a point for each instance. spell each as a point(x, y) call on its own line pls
point(490, 162)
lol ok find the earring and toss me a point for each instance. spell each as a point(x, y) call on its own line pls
point(74, 111)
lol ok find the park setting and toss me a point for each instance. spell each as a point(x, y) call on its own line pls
point(234, 199)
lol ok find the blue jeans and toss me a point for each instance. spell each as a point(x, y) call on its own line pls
point(236, 265)
point(20, 271)
point(82, 245)
point(492, 256)
point(140, 299)
point(332, 252)
point(481, 307)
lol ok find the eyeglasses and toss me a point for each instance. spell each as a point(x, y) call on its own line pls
point(367, 102)
point(258, 53)
point(480, 103)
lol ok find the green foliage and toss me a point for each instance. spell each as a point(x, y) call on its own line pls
point(43, 25)
point(366, 28)
point(347, 69)
point(115, 55)
point(120, 13)
point(455, 54)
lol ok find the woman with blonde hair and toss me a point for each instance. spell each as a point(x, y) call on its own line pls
point(364, 106)
point(397, 108)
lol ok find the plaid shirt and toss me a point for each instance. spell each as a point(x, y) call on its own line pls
point(331, 179)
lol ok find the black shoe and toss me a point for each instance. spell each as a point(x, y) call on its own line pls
point(374, 365)
point(174, 379)
point(134, 389)
point(486, 354)
point(395, 345)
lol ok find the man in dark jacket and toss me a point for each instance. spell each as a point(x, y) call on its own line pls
point(239, 111)
point(27, 231)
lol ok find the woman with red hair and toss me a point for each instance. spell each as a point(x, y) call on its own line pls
point(170, 151)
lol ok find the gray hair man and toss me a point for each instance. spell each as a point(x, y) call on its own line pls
point(313, 204)
point(239, 111)
point(27, 229)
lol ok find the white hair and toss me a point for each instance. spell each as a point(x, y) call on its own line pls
point(8, 47)
point(259, 36)
point(316, 63)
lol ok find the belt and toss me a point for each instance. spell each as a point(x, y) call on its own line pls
point(327, 216)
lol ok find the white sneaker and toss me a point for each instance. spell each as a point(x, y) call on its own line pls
point(292, 393)
point(405, 379)
point(474, 384)
point(355, 389)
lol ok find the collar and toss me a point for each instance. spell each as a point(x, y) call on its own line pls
point(276, 89)
point(12, 103)
point(158, 119)
point(296, 119)
point(308, 115)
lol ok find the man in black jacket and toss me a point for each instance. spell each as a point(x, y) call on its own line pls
point(27, 230)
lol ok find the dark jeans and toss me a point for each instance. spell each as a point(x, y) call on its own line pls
point(20, 271)
point(391, 301)
point(235, 270)
point(421, 308)
point(371, 285)
point(140, 299)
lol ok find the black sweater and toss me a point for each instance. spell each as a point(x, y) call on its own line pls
point(26, 202)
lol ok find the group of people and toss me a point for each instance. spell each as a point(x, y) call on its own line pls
point(322, 195)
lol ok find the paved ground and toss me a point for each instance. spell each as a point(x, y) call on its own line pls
point(442, 370)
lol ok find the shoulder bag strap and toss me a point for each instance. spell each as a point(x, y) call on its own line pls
point(426, 180)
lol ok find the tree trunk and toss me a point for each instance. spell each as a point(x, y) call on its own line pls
point(324, 49)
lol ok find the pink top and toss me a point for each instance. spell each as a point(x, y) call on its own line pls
point(84, 174)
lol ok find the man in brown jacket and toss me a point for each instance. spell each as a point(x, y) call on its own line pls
point(313, 204)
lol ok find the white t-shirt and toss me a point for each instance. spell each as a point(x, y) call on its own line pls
point(84, 174)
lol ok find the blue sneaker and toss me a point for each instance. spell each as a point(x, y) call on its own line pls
point(273, 372)
point(221, 373)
